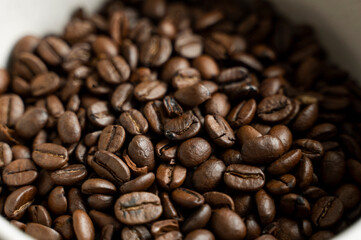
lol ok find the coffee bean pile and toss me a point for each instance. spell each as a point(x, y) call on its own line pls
point(179, 120)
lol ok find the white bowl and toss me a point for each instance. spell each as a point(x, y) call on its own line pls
point(337, 25)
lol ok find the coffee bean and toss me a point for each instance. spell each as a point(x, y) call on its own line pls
point(170, 176)
point(64, 225)
point(304, 172)
point(27, 66)
point(219, 130)
point(262, 150)
point(11, 109)
point(141, 151)
point(282, 133)
point(138, 208)
point(100, 202)
point(193, 152)
point(295, 205)
point(75, 200)
point(185, 77)
point(323, 131)
point(53, 50)
point(245, 133)
point(172, 66)
point(231, 156)
point(155, 115)
point(221, 224)
point(187, 198)
point(322, 235)
point(198, 219)
point(193, 95)
point(244, 177)
point(111, 167)
point(39, 214)
point(19, 201)
point(310, 148)
point(141, 183)
point(134, 232)
point(188, 45)
point(26, 43)
point(98, 185)
point(327, 211)
point(218, 104)
point(285, 163)
point(111, 138)
point(19, 172)
point(182, 127)
point(200, 234)
point(333, 168)
point(57, 201)
point(134, 122)
point(31, 122)
point(208, 175)
point(218, 200)
point(50, 156)
point(281, 185)
point(306, 118)
point(45, 84)
point(253, 227)
point(101, 219)
point(39, 231)
point(156, 51)
point(6, 154)
point(165, 150)
point(242, 114)
point(243, 204)
point(69, 128)
point(104, 47)
point(162, 227)
point(114, 70)
point(150, 90)
point(274, 108)
point(99, 114)
point(207, 66)
point(83, 225)
point(265, 206)
point(122, 94)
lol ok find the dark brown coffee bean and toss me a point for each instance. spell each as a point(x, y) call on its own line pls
point(19, 201)
point(64, 225)
point(100, 202)
point(155, 115)
point(136, 232)
point(185, 77)
point(156, 51)
point(198, 219)
point(200, 234)
point(6, 154)
point(50, 156)
point(310, 148)
point(295, 205)
point(75, 200)
point(39, 231)
point(19, 172)
point(165, 150)
point(96, 86)
point(101, 219)
point(150, 90)
point(45, 84)
point(283, 133)
point(242, 114)
point(354, 169)
point(208, 175)
point(226, 224)
point(285, 163)
point(139, 184)
point(104, 47)
point(182, 127)
point(111, 138)
point(83, 225)
point(31, 122)
point(253, 227)
point(99, 114)
point(134, 122)
point(312, 192)
point(121, 95)
point(262, 150)
point(21, 86)
point(114, 70)
point(162, 227)
point(281, 185)
point(39, 214)
point(92, 138)
point(53, 50)
point(11, 109)
point(111, 167)
point(306, 118)
point(218, 104)
point(274, 108)
point(265, 206)
point(207, 66)
point(304, 172)
point(193, 95)
point(170, 176)
point(193, 152)
point(244, 177)
point(169, 210)
point(349, 194)
point(188, 45)
point(327, 211)
point(98, 186)
point(57, 201)
point(172, 66)
point(187, 198)
point(138, 208)
point(130, 52)
point(219, 130)
point(218, 200)
point(243, 204)
point(323, 131)
point(231, 156)
point(141, 151)
point(134, 169)
point(172, 106)
point(322, 235)
point(333, 168)
point(245, 133)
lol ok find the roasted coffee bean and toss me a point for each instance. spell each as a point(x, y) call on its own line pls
point(243, 204)
point(64, 225)
point(185, 77)
point(310, 148)
point(172, 66)
point(182, 127)
point(262, 150)
point(19, 172)
point(306, 118)
point(165, 150)
point(253, 227)
point(101, 219)
point(245, 133)
point(208, 175)
point(218, 200)
point(107, 232)
point(110, 166)
point(98, 185)
point(349, 194)
point(57, 201)
point(39, 214)
point(219, 130)
point(136, 232)
point(83, 225)
point(134, 122)
point(27, 43)
point(11, 109)
point(45, 84)
point(134, 169)
point(188, 45)
point(285, 163)
point(244, 177)
point(100, 202)
point(295, 205)
point(156, 115)
point(114, 70)
point(193, 95)
point(19, 201)
point(50, 156)
point(69, 128)
point(53, 50)
point(162, 227)
point(327, 211)
point(226, 224)
point(218, 104)
point(138, 208)
point(207, 66)
point(170, 176)
point(6, 154)
point(99, 114)
point(104, 47)
point(39, 231)
point(150, 90)
point(304, 172)
point(231, 156)
point(193, 152)
point(200, 234)
point(111, 138)
point(172, 107)
point(322, 235)
point(27, 66)
point(333, 168)
point(156, 51)
point(31, 122)
point(139, 184)
point(141, 151)
point(198, 219)
point(265, 206)
point(121, 95)
point(282, 133)
point(323, 131)
point(187, 198)
point(274, 108)
point(282, 185)
point(242, 114)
